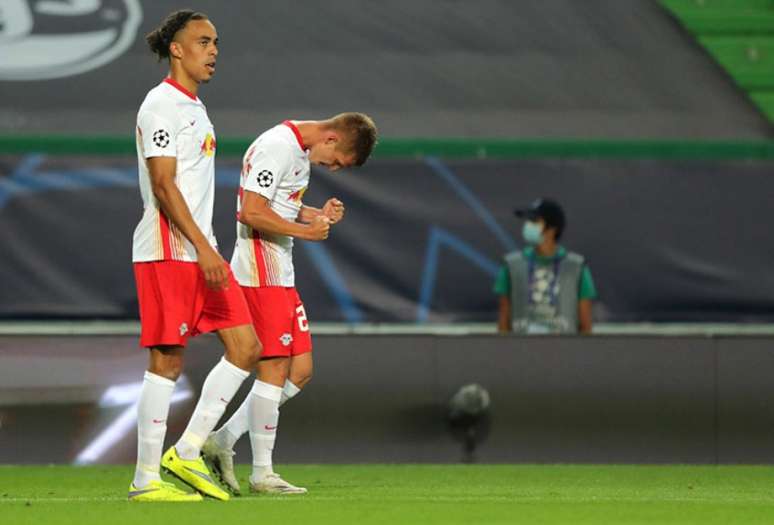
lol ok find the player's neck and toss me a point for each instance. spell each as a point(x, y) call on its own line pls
point(310, 130)
point(547, 248)
point(184, 79)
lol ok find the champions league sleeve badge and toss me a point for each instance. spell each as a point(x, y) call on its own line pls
point(161, 138)
point(265, 178)
point(42, 40)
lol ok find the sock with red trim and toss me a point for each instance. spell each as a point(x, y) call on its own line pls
point(152, 411)
point(220, 386)
point(263, 419)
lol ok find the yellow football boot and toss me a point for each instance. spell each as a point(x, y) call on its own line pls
point(192, 472)
point(158, 490)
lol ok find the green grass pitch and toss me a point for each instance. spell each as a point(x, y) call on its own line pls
point(400, 494)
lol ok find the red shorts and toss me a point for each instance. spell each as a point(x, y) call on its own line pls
point(175, 303)
point(279, 319)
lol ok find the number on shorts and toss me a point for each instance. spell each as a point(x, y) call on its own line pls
point(303, 324)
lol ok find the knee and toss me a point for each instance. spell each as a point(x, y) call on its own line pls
point(168, 369)
point(246, 355)
point(253, 352)
point(301, 378)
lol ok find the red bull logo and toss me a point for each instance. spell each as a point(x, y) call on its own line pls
point(209, 145)
point(297, 196)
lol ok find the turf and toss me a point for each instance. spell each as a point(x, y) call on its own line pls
point(399, 494)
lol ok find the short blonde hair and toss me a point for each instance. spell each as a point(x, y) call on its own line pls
point(360, 134)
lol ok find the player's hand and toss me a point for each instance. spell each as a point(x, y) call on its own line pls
point(319, 228)
point(214, 268)
point(334, 210)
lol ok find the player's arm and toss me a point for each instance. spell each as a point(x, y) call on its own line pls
point(584, 316)
point(333, 209)
point(256, 212)
point(308, 214)
point(162, 175)
point(504, 315)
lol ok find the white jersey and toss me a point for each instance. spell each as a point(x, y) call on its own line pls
point(276, 166)
point(172, 122)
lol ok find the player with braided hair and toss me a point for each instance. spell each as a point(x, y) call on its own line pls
point(184, 287)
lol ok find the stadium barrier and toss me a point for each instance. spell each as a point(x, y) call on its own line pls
point(428, 222)
point(600, 399)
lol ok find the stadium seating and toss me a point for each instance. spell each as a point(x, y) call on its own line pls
point(739, 34)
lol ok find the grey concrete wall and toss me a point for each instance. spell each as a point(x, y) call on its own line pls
point(384, 398)
point(490, 68)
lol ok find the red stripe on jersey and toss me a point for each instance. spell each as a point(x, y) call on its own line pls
point(164, 226)
point(260, 261)
point(172, 82)
point(297, 133)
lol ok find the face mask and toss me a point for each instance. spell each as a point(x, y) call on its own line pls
point(532, 233)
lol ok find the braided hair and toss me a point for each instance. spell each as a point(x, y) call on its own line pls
point(160, 38)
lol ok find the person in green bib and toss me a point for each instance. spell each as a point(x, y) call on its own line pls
point(544, 288)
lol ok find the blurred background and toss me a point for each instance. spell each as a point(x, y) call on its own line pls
point(649, 121)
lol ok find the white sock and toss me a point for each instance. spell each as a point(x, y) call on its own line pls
point(227, 435)
point(289, 391)
point(263, 418)
point(220, 386)
point(152, 411)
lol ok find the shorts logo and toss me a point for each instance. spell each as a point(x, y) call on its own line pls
point(286, 339)
point(42, 40)
point(161, 138)
point(183, 329)
point(265, 178)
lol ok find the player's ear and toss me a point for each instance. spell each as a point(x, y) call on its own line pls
point(331, 137)
point(175, 50)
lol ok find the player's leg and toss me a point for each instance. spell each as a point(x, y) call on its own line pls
point(158, 384)
point(223, 381)
point(301, 367)
point(258, 414)
point(164, 292)
point(267, 311)
point(263, 415)
point(295, 340)
point(164, 368)
point(225, 312)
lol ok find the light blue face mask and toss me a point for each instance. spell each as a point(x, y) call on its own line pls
point(532, 233)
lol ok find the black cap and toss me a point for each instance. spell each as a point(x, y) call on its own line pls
point(545, 209)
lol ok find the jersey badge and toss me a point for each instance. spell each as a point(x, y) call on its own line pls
point(161, 138)
point(297, 196)
point(209, 145)
point(265, 178)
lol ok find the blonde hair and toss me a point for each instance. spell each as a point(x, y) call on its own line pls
point(359, 132)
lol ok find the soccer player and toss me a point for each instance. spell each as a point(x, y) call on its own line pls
point(275, 175)
point(184, 287)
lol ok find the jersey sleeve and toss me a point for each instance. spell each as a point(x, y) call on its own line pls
point(502, 284)
point(265, 170)
point(157, 135)
point(586, 290)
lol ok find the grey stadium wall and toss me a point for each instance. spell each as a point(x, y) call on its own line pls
point(491, 68)
point(385, 399)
